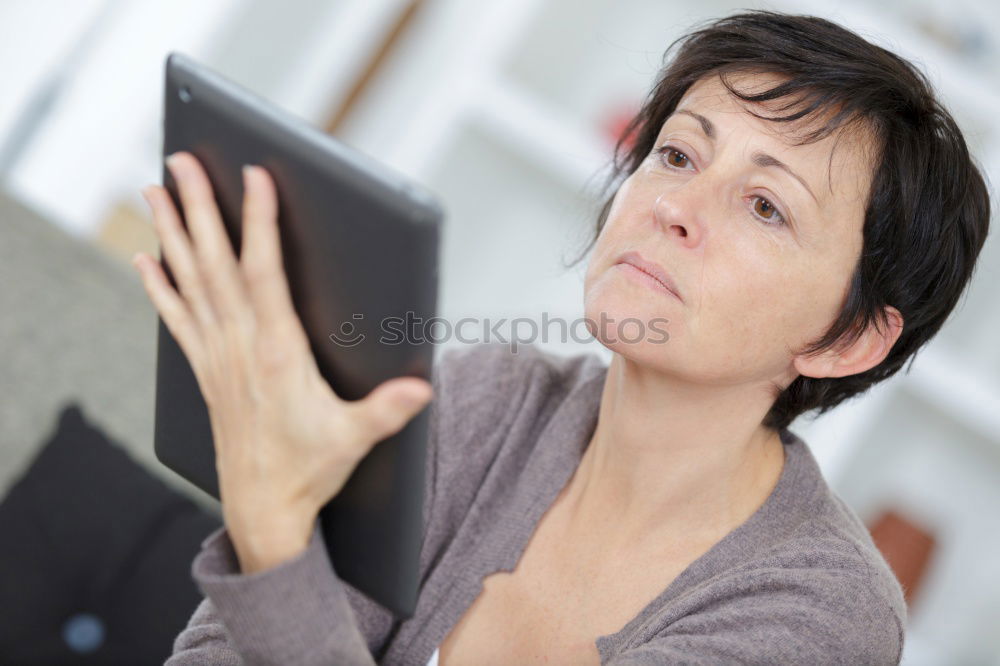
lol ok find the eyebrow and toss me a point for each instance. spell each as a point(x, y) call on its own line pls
point(758, 158)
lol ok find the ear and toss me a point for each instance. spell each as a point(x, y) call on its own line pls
point(870, 349)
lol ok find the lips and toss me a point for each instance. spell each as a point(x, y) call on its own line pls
point(651, 269)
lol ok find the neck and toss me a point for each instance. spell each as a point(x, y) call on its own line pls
point(669, 457)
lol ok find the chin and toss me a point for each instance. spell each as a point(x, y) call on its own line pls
point(627, 325)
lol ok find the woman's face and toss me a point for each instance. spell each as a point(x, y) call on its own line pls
point(759, 236)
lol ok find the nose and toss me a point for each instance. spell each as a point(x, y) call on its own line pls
point(681, 212)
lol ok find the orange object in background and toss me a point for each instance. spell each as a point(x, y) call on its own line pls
point(906, 546)
point(616, 122)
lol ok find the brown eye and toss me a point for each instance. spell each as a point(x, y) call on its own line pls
point(766, 211)
point(676, 158)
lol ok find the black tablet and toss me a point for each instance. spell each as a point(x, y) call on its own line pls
point(360, 245)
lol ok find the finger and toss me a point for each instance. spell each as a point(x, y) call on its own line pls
point(261, 256)
point(389, 407)
point(176, 249)
point(212, 247)
point(174, 311)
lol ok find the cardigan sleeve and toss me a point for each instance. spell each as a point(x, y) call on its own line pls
point(771, 619)
point(301, 612)
point(298, 612)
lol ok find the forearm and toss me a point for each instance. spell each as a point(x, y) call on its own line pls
point(295, 612)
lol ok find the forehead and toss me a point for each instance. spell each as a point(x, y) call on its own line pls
point(837, 166)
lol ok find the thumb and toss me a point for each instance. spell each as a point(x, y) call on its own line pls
point(391, 405)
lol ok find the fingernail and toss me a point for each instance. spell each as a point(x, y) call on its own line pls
point(172, 160)
point(246, 171)
point(135, 259)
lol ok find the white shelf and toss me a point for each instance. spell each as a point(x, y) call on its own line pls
point(971, 398)
point(510, 224)
point(557, 144)
point(340, 45)
point(835, 437)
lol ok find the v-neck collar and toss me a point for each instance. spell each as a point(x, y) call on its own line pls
point(558, 453)
point(552, 462)
point(753, 535)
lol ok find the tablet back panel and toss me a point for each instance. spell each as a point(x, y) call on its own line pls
point(360, 246)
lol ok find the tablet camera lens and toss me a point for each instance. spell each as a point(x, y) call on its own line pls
point(184, 94)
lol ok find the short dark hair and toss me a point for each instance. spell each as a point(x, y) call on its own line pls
point(928, 210)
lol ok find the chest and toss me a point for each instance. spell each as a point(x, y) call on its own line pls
point(559, 599)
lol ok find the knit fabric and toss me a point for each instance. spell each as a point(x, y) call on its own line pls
point(799, 582)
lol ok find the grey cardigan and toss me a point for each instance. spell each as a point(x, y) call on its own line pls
point(799, 582)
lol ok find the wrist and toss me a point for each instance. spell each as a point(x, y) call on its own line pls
point(265, 541)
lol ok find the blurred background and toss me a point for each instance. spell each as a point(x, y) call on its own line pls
point(508, 110)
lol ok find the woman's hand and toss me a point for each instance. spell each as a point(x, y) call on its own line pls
point(285, 444)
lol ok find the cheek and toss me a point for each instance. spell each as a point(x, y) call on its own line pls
point(756, 306)
point(766, 309)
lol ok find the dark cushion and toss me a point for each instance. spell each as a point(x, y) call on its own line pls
point(96, 555)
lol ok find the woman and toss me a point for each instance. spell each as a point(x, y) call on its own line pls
point(794, 201)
